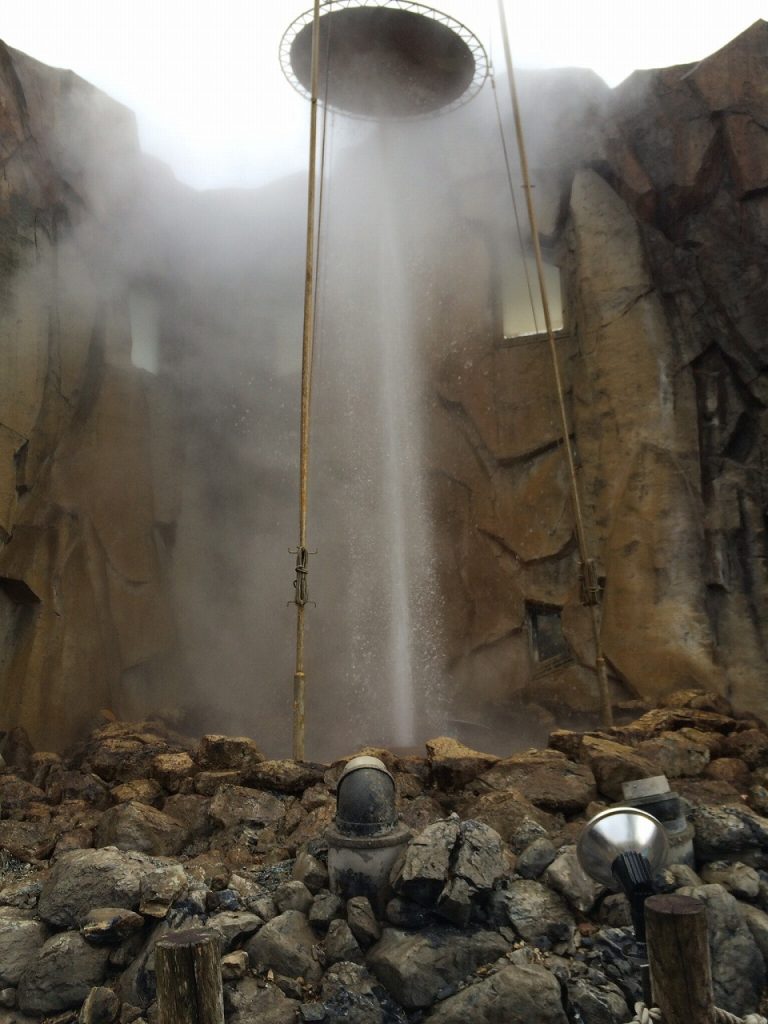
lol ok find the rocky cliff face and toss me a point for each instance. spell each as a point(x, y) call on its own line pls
point(144, 515)
point(86, 438)
point(656, 220)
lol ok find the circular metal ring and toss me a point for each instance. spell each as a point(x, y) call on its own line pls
point(385, 59)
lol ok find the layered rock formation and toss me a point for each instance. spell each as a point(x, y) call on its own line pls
point(656, 220)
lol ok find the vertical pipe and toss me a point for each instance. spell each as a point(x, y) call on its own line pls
point(606, 710)
point(299, 678)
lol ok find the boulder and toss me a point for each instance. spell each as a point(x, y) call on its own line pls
point(21, 937)
point(740, 880)
point(341, 945)
point(757, 922)
point(416, 968)
point(537, 914)
point(327, 906)
point(450, 864)
point(509, 813)
point(191, 810)
point(596, 1002)
point(292, 895)
point(362, 921)
point(613, 764)
point(84, 879)
point(730, 833)
point(236, 753)
point(547, 778)
point(61, 975)
point(312, 872)
point(248, 1001)
point(285, 776)
point(675, 755)
point(349, 997)
point(172, 770)
point(286, 945)
point(160, 888)
point(101, 1006)
point(738, 969)
point(109, 926)
point(27, 840)
point(565, 876)
point(139, 827)
point(453, 765)
point(234, 927)
point(513, 995)
point(535, 858)
point(236, 805)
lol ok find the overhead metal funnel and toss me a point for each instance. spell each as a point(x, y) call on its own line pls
point(391, 59)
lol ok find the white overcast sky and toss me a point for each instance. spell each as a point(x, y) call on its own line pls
point(204, 79)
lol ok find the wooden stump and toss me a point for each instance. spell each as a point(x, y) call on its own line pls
point(188, 968)
point(678, 952)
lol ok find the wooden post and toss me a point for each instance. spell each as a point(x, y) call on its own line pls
point(678, 953)
point(188, 968)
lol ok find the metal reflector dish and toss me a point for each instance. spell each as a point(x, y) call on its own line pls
point(391, 59)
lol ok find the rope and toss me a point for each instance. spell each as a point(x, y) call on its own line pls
point(652, 1015)
point(588, 570)
point(518, 227)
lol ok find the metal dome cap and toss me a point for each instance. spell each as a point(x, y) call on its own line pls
point(365, 797)
point(385, 59)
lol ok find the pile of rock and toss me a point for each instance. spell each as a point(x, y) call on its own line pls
point(140, 831)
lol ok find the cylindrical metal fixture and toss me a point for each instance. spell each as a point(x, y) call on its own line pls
point(366, 838)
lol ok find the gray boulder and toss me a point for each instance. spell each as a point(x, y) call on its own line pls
point(248, 1002)
point(83, 879)
point(341, 945)
point(101, 1006)
point(513, 995)
point(739, 879)
point(566, 877)
point(597, 1002)
point(349, 997)
point(234, 926)
point(292, 895)
point(417, 968)
point(137, 826)
point(535, 858)
point(286, 945)
point(450, 864)
point(738, 970)
point(533, 910)
point(757, 922)
point(61, 975)
point(109, 926)
point(21, 937)
point(730, 833)
point(234, 805)
point(362, 921)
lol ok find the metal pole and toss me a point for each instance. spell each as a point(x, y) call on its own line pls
point(300, 583)
point(587, 566)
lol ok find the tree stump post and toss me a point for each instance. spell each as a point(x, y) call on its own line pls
point(678, 953)
point(188, 969)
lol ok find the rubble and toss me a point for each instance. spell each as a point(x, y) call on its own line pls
point(491, 917)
